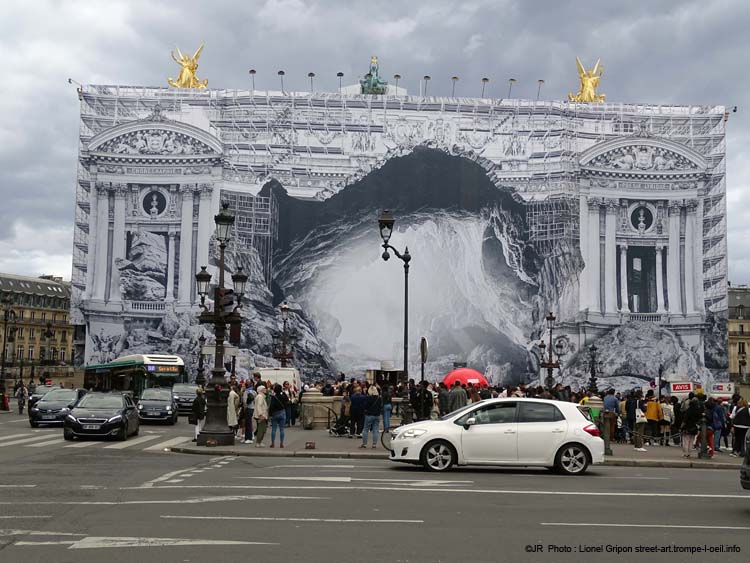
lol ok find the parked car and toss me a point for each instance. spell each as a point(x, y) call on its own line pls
point(184, 394)
point(745, 468)
point(39, 392)
point(504, 432)
point(158, 404)
point(102, 415)
point(54, 406)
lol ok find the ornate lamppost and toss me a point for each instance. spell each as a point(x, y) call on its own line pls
point(225, 310)
point(200, 379)
point(284, 343)
point(550, 364)
point(385, 222)
point(593, 367)
point(9, 316)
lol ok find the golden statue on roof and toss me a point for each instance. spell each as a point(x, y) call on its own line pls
point(589, 83)
point(187, 78)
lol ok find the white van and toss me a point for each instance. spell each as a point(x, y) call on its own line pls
point(280, 375)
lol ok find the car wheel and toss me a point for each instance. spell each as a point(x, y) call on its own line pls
point(34, 424)
point(438, 456)
point(572, 459)
point(123, 435)
point(68, 434)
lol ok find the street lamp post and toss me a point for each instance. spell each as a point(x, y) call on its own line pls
point(385, 223)
point(284, 343)
point(550, 364)
point(200, 379)
point(593, 364)
point(743, 367)
point(9, 316)
point(225, 310)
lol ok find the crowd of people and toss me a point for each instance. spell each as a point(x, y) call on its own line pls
point(633, 417)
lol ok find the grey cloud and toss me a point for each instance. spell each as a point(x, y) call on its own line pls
point(667, 52)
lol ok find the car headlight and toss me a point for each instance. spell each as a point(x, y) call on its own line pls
point(34, 409)
point(71, 418)
point(115, 418)
point(176, 397)
point(140, 407)
point(413, 433)
point(64, 410)
point(169, 409)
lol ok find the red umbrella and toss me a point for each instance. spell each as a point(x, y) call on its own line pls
point(466, 376)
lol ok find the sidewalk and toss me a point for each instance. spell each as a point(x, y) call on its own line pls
point(329, 447)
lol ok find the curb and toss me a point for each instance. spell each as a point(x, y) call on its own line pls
point(614, 462)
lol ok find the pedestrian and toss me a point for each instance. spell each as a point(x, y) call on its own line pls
point(716, 421)
point(631, 403)
point(690, 426)
point(233, 406)
point(249, 402)
point(740, 424)
point(387, 407)
point(357, 411)
point(287, 390)
point(666, 422)
point(676, 420)
point(654, 415)
point(373, 409)
point(424, 402)
point(260, 415)
point(22, 394)
point(640, 422)
point(444, 399)
point(611, 412)
point(198, 416)
point(277, 413)
point(458, 397)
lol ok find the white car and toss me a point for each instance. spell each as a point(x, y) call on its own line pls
point(507, 432)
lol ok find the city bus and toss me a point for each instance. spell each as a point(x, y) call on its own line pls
point(135, 373)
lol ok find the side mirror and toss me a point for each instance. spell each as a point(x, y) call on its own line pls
point(470, 422)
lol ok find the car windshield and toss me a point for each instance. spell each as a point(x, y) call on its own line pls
point(41, 391)
point(60, 395)
point(156, 395)
point(183, 388)
point(457, 411)
point(94, 401)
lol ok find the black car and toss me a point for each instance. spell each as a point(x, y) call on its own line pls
point(54, 406)
point(158, 404)
point(184, 394)
point(102, 415)
point(39, 392)
point(745, 469)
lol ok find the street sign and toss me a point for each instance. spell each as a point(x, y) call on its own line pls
point(210, 350)
point(423, 349)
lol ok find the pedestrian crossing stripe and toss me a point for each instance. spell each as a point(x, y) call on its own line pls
point(48, 440)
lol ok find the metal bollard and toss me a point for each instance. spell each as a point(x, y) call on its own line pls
point(604, 430)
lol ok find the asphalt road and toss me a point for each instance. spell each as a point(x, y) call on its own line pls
point(96, 503)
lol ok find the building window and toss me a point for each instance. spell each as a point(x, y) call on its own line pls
point(32, 333)
point(740, 311)
point(742, 329)
point(19, 353)
point(31, 354)
point(20, 332)
point(44, 316)
point(741, 347)
point(62, 354)
point(32, 315)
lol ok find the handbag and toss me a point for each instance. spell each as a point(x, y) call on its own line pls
point(192, 419)
point(640, 417)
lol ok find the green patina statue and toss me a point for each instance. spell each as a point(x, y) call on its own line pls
point(371, 83)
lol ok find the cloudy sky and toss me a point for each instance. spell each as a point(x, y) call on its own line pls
point(687, 52)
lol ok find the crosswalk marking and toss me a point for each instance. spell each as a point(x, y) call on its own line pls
point(160, 446)
point(133, 442)
point(48, 443)
point(14, 436)
point(83, 444)
point(24, 440)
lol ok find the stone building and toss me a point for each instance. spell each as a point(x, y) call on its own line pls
point(41, 332)
point(739, 332)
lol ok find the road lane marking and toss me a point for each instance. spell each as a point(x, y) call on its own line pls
point(441, 490)
point(162, 445)
point(667, 526)
point(15, 532)
point(45, 444)
point(36, 438)
point(131, 442)
point(263, 518)
point(61, 542)
point(14, 436)
point(175, 481)
point(11, 486)
point(24, 517)
point(308, 466)
point(332, 479)
point(198, 500)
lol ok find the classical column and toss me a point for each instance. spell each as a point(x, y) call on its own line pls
point(92, 246)
point(690, 259)
point(204, 225)
point(673, 261)
point(583, 244)
point(610, 257)
point(169, 295)
point(593, 255)
point(102, 241)
point(659, 280)
point(186, 245)
point(625, 308)
point(700, 305)
point(118, 240)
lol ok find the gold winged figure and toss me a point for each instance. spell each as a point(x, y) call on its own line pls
point(589, 83)
point(189, 65)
